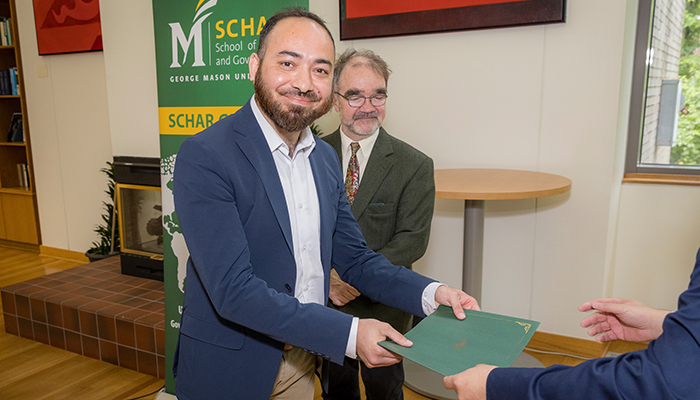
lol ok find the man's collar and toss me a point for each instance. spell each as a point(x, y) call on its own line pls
point(366, 143)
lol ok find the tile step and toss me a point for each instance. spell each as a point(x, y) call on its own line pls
point(95, 311)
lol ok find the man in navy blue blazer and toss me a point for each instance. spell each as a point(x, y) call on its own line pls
point(669, 368)
point(262, 206)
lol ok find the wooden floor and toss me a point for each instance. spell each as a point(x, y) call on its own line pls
point(31, 371)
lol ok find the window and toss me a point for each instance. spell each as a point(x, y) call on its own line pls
point(664, 125)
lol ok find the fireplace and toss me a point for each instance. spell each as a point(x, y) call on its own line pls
point(140, 213)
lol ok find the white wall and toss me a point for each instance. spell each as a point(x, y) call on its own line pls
point(658, 237)
point(548, 98)
point(69, 126)
point(130, 64)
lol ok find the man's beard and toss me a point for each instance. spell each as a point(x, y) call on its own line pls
point(295, 118)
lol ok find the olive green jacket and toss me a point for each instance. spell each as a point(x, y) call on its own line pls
point(394, 208)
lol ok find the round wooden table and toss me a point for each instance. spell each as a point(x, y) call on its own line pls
point(475, 186)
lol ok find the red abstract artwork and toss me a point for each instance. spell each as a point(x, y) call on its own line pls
point(369, 8)
point(373, 18)
point(67, 26)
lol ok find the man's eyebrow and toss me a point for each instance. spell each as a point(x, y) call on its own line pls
point(290, 53)
point(324, 61)
point(297, 55)
point(355, 92)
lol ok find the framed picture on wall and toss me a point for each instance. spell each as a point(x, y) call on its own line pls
point(362, 19)
point(67, 26)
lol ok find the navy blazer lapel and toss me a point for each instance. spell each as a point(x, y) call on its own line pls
point(257, 151)
point(379, 163)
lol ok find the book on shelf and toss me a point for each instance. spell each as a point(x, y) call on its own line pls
point(8, 31)
point(23, 175)
point(5, 31)
point(9, 82)
point(16, 131)
point(13, 81)
point(4, 83)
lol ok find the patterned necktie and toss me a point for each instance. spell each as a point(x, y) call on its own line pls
point(352, 178)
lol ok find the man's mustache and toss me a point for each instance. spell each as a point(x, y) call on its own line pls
point(311, 95)
point(361, 114)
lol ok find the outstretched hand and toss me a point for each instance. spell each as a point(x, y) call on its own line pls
point(456, 299)
point(470, 384)
point(622, 319)
point(369, 333)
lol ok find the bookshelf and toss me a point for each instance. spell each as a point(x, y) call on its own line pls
point(18, 206)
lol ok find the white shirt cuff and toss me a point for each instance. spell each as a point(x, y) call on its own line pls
point(351, 348)
point(429, 303)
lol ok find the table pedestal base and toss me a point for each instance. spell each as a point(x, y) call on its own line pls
point(428, 383)
point(473, 252)
point(425, 382)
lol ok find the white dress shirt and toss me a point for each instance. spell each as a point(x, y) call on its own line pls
point(300, 195)
point(302, 205)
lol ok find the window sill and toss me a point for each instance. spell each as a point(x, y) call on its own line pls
point(662, 179)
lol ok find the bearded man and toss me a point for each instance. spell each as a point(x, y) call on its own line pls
point(262, 206)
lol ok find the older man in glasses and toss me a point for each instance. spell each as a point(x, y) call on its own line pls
point(391, 190)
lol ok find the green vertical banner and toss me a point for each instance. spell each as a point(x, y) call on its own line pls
point(202, 53)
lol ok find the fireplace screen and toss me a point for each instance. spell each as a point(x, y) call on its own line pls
point(140, 214)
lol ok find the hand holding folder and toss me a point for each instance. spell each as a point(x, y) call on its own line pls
point(448, 346)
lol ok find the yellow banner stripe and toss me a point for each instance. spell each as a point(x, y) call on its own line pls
point(190, 120)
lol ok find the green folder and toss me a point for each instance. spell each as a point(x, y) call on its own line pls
point(448, 346)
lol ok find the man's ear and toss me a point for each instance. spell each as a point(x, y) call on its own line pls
point(253, 65)
point(336, 103)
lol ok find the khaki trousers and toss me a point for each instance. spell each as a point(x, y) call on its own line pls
point(295, 378)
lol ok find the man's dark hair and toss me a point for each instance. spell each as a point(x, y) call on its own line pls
point(296, 12)
point(352, 57)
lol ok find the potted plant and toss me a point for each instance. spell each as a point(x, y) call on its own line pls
point(104, 247)
point(316, 130)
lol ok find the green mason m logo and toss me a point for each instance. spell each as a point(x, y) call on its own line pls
point(180, 40)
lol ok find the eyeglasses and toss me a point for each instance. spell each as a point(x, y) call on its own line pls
point(355, 101)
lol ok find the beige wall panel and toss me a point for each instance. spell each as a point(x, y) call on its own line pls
point(130, 65)
point(38, 83)
point(658, 238)
point(69, 121)
point(581, 89)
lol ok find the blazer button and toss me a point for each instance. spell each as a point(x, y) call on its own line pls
point(288, 288)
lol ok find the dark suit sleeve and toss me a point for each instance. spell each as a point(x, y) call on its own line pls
point(667, 369)
point(414, 215)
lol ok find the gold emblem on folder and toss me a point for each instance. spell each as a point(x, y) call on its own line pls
point(525, 325)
